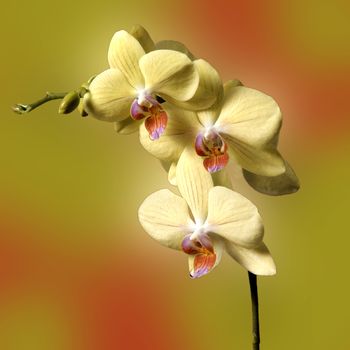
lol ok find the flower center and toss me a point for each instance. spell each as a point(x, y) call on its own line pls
point(147, 106)
point(200, 245)
point(213, 148)
point(145, 100)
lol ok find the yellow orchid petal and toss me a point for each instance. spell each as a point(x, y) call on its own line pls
point(204, 267)
point(165, 217)
point(194, 183)
point(143, 37)
point(256, 260)
point(209, 89)
point(170, 168)
point(250, 122)
point(124, 53)
point(172, 174)
point(285, 183)
point(209, 116)
point(175, 46)
point(234, 217)
point(181, 128)
point(110, 96)
point(169, 73)
point(127, 126)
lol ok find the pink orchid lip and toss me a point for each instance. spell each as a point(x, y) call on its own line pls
point(201, 244)
point(204, 256)
point(150, 108)
point(215, 163)
point(142, 105)
point(200, 147)
point(202, 265)
point(213, 148)
point(156, 124)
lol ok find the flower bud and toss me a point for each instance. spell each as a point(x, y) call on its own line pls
point(69, 103)
point(81, 109)
point(20, 108)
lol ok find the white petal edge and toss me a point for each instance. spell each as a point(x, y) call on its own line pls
point(110, 96)
point(124, 53)
point(165, 217)
point(256, 260)
point(169, 74)
point(234, 217)
point(250, 122)
point(194, 183)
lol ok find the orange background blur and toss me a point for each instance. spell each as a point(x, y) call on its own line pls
point(76, 269)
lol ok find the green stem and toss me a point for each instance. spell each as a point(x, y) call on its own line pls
point(23, 108)
point(255, 310)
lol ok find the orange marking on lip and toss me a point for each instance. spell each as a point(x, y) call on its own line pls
point(203, 263)
point(156, 123)
point(216, 162)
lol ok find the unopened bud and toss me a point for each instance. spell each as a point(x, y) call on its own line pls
point(69, 103)
point(20, 108)
point(81, 109)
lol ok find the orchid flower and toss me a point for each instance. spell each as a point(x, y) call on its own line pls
point(205, 221)
point(242, 127)
point(137, 82)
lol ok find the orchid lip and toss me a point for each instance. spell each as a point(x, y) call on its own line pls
point(200, 244)
point(137, 111)
point(216, 162)
point(201, 249)
point(147, 106)
point(203, 263)
point(156, 123)
point(210, 145)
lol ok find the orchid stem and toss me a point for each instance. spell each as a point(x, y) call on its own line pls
point(26, 108)
point(255, 310)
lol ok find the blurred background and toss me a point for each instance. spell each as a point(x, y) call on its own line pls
point(76, 269)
